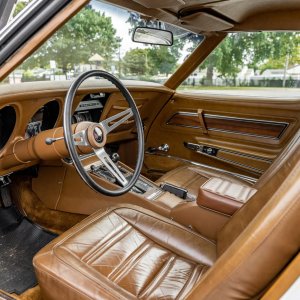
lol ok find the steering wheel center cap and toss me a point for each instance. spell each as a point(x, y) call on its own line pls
point(96, 136)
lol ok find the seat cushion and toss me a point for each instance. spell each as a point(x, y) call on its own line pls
point(193, 177)
point(123, 253)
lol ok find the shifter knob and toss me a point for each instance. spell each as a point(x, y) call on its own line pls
point(115, 157)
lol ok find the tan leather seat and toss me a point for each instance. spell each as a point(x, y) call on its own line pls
point(130, 253)
point(192, 177)
point(124, 253)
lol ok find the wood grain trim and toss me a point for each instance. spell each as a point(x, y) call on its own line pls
point(252, 127)
point(185, 119)
point(41, 36)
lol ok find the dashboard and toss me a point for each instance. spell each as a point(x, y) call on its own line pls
point(89, 109)
point(28, 109)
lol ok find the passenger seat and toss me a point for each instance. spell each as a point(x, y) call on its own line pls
point(192, 177)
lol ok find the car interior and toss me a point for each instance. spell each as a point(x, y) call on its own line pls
point(116, 188)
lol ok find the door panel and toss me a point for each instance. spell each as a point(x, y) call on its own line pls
point(235, 133)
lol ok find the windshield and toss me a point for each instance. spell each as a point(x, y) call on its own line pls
point(100, 37)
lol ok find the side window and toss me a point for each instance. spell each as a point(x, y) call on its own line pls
point(250, 61)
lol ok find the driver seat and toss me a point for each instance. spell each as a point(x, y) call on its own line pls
point(127, 252)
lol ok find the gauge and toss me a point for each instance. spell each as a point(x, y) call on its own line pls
point(33, 129)
point(7, 124)
point(35, 125)
point(45, 118)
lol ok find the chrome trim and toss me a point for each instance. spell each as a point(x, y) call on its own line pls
point(259, 171)
point(82, 157)
point(125, 115)
point(221, 117)
point(233, 162)
point(13, 24)
point(244, 119)
point(243, 154)
point(244, 177)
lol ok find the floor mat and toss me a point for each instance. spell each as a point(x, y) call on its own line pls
point(20, 240)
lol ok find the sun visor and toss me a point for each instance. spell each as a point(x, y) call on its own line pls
point(160, 3)
point(202, 21)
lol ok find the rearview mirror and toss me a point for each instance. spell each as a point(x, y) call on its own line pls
point(153, 36)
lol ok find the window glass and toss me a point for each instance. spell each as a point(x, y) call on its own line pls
point(100, 37)
point(19, 6)
point(244, 61)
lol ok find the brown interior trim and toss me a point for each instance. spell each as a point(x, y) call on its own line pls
point(40, 37)
point(252, 127)
point(195, 59)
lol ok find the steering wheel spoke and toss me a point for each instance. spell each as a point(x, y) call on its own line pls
point(80, 138)
point(111, 166)
point(113, 122)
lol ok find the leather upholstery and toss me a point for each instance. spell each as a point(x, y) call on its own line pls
point(124, 253)
point(192, 177)
point(223, 195)
point(258, 242)
point(130, 253)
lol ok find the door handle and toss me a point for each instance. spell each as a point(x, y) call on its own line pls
point(161, 148)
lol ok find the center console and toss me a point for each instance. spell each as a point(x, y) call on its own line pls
point(143, 187)
point(169, 201)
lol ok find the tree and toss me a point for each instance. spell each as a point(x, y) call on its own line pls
point(135, 62)
point(87, 33)
point(149, 61)
point(255, 50)
point(162, 60)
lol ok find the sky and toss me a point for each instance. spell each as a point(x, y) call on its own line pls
point(119, 18)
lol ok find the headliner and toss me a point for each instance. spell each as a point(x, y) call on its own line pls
point(204, 16)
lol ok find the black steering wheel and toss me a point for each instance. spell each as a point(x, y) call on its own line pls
point(95, 136)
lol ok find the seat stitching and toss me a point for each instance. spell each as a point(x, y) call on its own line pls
point(93, 218)
point(109, 282)
point(98, 251)
point(192, 275)
point(124, 271)
point(143, 248)
point(159, 276)
point(196, 178)
point(167, 222)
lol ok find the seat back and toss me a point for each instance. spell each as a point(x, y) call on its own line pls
point(283, 157)
point(259, 240)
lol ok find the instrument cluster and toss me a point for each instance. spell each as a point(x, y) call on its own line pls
point(45, 118)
